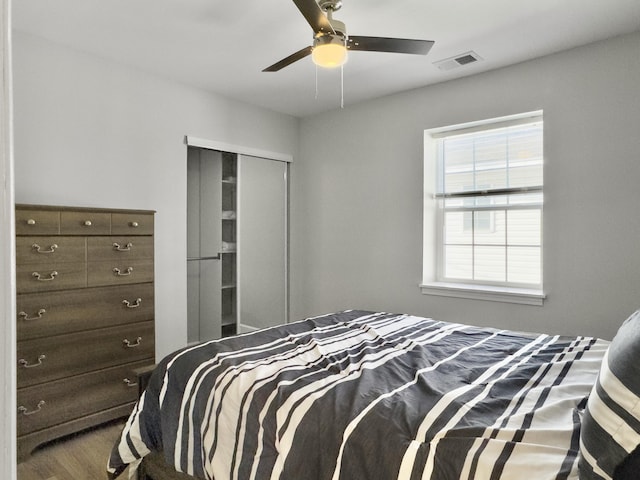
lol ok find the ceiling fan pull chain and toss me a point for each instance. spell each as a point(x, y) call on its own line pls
point(316, 82)
point(341, 86)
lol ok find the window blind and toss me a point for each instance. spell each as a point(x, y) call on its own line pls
point(491, 193)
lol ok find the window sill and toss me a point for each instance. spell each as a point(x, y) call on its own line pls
point(522, 296)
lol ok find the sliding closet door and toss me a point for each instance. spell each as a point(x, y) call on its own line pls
point(204, 211)
point(262, 242)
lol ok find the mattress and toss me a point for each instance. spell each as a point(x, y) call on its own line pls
point(368, 395)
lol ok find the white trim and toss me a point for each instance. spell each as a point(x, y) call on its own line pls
point(481, 125)
point(7, 257)
point(239, 149)
point(521, 296)
point(287, 239)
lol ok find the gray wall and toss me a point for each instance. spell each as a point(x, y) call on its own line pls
point(90, 132)
point(357, 193)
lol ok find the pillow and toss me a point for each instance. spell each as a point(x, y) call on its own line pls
point(610, 432)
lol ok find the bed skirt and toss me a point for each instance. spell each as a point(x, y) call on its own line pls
point(155, 468)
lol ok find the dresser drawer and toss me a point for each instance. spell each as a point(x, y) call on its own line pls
point(57, 402)
point(49, 250)
point(42, 278)
point(85, 223)
point(119, 249)
point(54, 313)
point(132, 224)
point(46, 359)
point(120, 273)
point(37, 222)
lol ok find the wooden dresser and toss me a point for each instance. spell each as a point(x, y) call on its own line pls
point(85, 317)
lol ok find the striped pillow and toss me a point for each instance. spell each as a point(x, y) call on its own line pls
point(610, 431)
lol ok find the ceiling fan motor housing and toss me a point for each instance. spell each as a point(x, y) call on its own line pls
point(339, 29)
point(330, 38)
point(330, 5)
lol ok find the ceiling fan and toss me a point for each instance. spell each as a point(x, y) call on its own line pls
point(331, 42)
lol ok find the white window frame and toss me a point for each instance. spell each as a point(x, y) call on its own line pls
point(433, 222)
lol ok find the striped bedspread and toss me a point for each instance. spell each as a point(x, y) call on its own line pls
point(362, 396)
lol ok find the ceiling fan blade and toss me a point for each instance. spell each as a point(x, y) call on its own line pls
point(314, 15)
point(392, 45)
point(300, 54)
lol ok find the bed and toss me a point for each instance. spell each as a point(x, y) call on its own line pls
point(372, 395)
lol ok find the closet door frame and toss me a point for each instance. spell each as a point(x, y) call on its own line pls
point(240, 150)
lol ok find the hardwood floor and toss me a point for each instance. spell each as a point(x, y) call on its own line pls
point(79, 457)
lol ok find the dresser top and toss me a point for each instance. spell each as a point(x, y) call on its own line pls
point(58, 208)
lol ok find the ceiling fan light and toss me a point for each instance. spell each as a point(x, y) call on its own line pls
point(329, 52)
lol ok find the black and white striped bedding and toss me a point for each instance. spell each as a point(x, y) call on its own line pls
point(359, 395)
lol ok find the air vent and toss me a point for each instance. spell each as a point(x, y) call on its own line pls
point(457, 61)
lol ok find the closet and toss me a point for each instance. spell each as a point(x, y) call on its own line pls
point(237, 243)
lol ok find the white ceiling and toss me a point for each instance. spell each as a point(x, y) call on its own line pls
point(222, 46)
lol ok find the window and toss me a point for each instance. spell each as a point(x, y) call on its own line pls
point(487, 197)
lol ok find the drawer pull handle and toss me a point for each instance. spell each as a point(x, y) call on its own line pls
point(31, 221)
point(87, 223)
point(25, 315)
point(120, 273)
point(128, 344)
point(25, 411)
point(38, 277)
point(128, 304)
point(119, 248)
point(134, 224)
point(38, 249)
point(129, 383)
point(24, 364)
